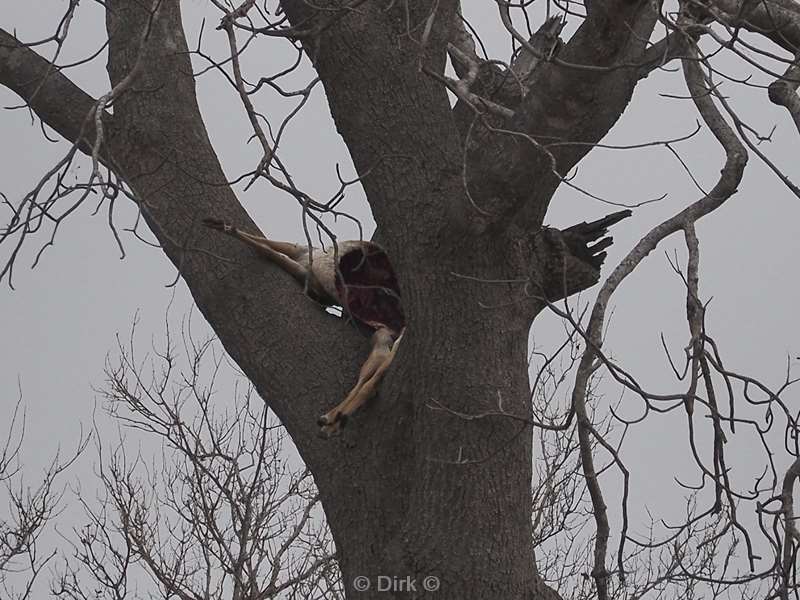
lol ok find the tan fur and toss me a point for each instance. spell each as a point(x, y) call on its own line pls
point(384, 347)
point(317, 270)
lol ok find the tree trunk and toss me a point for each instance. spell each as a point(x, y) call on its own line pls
point(411, 490)
point(422, 483)
point(439, 495)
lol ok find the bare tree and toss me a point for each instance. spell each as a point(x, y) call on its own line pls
point(431, 486)
point(31, 508)
point(219, 513)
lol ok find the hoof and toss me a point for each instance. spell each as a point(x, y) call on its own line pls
point(325, 420)
point(331, 425)
point(329, 431)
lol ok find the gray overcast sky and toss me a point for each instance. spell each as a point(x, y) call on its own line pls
point(60, 322)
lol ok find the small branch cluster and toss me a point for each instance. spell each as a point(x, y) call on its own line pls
point(220, 513)
point(31, 510)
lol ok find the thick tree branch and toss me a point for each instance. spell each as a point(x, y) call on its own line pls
point(60, 103)
point(577, 97)
point(783, 92)
point(401, 133)
point(158, 144)
point(777, 20)
point(169, 162)
point(673, 46)
point(791, 539)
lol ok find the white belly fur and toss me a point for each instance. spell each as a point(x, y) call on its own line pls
point(323, 266)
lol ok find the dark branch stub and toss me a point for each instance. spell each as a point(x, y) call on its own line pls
point(569, 261)
point(578, 237)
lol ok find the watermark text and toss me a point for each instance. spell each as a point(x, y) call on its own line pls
point(394, 583)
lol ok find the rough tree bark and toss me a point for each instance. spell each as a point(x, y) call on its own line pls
point(416, 491)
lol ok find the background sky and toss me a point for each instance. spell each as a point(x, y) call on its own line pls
point(60, 322)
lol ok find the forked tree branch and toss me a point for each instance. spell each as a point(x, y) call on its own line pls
point(511, 165)
point(730, 178)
